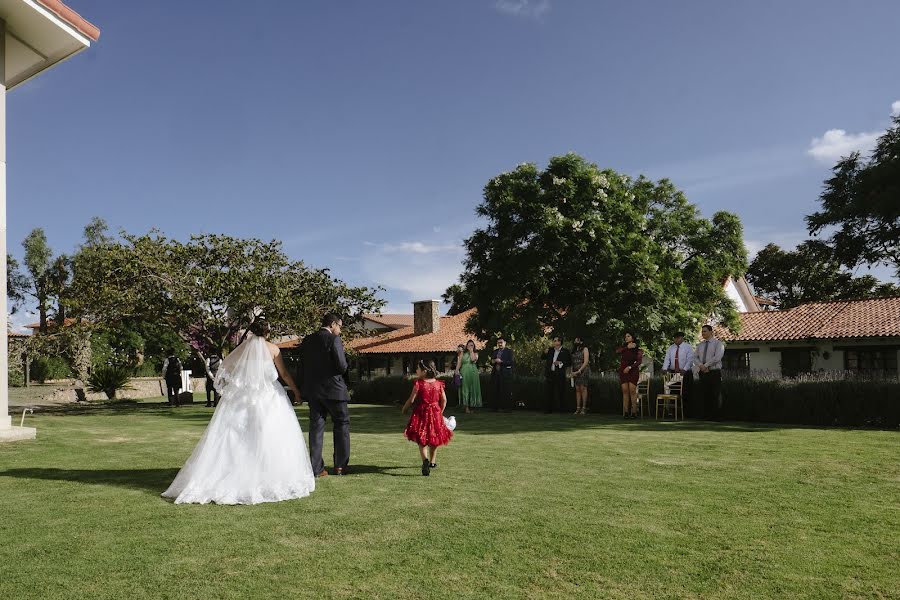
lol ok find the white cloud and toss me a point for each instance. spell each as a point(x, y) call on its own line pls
point(415, 248)
point(20, 319)
point(786, 240)
point(523, 8)
point(417, 269)
point(837, 143)
point(895, 109)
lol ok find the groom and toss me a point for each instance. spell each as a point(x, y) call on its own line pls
point(323, 388)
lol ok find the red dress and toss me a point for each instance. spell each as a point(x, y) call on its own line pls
point(630, 357)
point(426, 424)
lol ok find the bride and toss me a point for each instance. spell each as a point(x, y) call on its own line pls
point(252, 450)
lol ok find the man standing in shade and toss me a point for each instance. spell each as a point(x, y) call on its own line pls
point(556, 360)
point(502, 360)
point(171, 372)
point(680, 359)
point(708, 359)
point(325, 391)
point(212, 369)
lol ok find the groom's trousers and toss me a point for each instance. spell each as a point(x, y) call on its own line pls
point(340, 416)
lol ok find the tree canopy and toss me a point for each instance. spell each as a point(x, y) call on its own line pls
point(809, 273)
point(208, 289)
point(591, 252)
point(860, 206)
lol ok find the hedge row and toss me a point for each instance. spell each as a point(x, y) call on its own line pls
point(841, 403)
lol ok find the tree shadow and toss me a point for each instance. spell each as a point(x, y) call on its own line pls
point(152, 480)
point(372, 419)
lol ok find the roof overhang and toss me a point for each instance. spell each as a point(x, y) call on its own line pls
point(41, 34)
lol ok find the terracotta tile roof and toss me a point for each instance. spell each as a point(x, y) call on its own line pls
point(50, 323)
point(394, 321)
point(404, 341)
point(71, 17)
point(879, 317)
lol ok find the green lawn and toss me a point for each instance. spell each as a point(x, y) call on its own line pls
point(521, 506)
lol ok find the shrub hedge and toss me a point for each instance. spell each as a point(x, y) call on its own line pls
point(823, 403)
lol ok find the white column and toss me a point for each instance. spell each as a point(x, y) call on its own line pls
point(5, 420)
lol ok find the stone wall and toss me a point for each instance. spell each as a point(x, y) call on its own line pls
point(140, 387)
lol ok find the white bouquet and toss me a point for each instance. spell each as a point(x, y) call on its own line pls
point(450, 422)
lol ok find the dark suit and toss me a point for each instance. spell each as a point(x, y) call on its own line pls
point(501, 376)
point(556, 378)
point(324, 389)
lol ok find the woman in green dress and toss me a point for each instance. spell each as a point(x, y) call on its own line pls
point(467, 365)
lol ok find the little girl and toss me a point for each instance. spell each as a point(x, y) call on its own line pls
point(426, 425)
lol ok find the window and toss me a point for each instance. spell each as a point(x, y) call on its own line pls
point(736, 361)
point(882, 360)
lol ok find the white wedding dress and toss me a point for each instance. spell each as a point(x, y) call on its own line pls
point(253, 449)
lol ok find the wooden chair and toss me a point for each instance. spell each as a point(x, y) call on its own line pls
point(671, 394)
point(643, 393)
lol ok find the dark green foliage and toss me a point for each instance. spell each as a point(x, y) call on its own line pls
point(825, 403)
point(810, 273)
point(45, 368)
point(845, 403)
point(591, 252)
point(861, 206)
point(109, 379)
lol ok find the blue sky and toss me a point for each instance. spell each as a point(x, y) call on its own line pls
point(361, 133)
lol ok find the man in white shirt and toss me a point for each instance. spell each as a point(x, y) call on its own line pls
point(708, 359)
point(680, 359)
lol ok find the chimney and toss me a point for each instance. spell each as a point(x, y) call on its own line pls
point(426, 316)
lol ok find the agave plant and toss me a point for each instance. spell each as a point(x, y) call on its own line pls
point(109, 379)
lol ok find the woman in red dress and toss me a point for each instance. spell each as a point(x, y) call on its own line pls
point(630, 358)
point(426, 425)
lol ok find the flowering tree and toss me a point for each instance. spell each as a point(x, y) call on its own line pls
point(590, 252)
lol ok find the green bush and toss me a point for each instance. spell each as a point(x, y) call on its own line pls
point(605, 395)
point(845, 403)
point(109, 379)
point(49, 367)
point(840, 403)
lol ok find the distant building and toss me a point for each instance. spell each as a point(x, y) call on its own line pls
point(859, 336)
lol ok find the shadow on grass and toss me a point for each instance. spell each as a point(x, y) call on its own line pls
point(151, 480)
point(376, 470)
point(379, 419)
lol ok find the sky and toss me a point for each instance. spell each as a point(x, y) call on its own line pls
point(361, 133)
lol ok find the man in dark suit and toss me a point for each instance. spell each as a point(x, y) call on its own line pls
point(503, 361)
point(325, 391)
point(556, 360)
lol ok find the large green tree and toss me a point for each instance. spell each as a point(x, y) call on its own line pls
point(809, 273)
point(590, 252)
point(16, 284)
point(38, 257)
point(208, 290)
point(860, 206)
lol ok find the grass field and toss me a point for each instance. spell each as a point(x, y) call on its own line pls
point(520, 506)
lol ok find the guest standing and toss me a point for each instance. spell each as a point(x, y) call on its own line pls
point(426, 426)
point(171, 372)
point(680, 359)
point(630, 358)
point(708, 359)
point(581, 374)
point(501, 375)
point(470, 388)
point(556, 360)
point(212, 368)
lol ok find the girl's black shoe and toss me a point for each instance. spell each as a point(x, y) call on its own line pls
point(426, 468)
point(433, 465)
